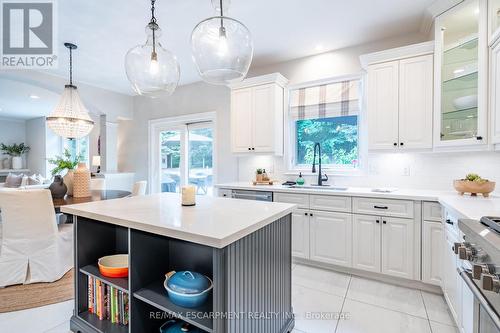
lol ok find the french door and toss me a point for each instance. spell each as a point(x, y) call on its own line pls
point(182, 153)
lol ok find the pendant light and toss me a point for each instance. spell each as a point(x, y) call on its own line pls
point(70, 119)
point(222, 48)
point(151, 69)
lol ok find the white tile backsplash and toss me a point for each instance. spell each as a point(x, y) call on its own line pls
point(434, 171)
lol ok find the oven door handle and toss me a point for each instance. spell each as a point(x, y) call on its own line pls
point(480, 298)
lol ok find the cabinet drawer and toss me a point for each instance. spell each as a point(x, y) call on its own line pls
point(301, 200)
point(384, 207)
point(432, 211)
point(330, 203)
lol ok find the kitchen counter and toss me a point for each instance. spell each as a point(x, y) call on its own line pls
point(461, 206)
point(214, 222)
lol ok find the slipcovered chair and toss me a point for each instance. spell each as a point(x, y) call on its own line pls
point(33, 247)
point(139, 188)
point(97, 184)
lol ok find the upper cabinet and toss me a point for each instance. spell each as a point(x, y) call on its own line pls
point(257, 111)
point(495, 92)
point(461, 77)
point(493, 20)
point(399, 97)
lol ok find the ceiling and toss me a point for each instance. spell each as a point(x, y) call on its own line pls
point(19, 100)
point(282, 30)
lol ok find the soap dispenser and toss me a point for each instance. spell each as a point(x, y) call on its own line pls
point(300, 180)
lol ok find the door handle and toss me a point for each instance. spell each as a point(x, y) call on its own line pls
point(448, 221)
point(380, 207)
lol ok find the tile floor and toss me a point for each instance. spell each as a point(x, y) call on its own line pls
point(318, 296)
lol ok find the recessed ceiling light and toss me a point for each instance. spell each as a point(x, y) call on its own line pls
point(319, 47)
point(34, 96)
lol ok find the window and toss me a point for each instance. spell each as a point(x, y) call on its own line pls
point(326, 114)
point(78, 147)
point(182, 152)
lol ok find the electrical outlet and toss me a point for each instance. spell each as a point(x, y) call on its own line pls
point(406, 171)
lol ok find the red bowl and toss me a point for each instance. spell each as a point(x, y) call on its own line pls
point(114, 266)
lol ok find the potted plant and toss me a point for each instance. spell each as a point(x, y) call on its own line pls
point(15, 151)
point(68, 163)
point(259, 175)
point(474, 184)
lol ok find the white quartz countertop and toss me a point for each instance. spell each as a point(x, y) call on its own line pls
point(215, 222)
point(466, 206)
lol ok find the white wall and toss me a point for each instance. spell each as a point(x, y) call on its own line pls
point(36, 139)
point(192, 98)
point(11, 131)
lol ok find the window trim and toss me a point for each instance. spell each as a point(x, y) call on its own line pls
point(289, 132)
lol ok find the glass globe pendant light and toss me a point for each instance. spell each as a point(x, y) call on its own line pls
point(151, 69)
point(70, 118)
point(222, 48)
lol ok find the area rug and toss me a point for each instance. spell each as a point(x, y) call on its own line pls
point(33, 295)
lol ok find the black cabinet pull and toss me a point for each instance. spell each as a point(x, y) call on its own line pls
point(448, 221)
point(384, 222)
point(249, 148)
point(377, 221)
point(479, 138)
point(253, 148)
point(305, 214)
point(310, 214)
point(395, 144)
point(401, 143)
point(380, 207)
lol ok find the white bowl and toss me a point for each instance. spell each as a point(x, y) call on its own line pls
point(465, 102)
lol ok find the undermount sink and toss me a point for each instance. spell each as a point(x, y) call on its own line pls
point(322, 187)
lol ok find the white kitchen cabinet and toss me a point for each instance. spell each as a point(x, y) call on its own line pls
point(495, 92)
point(399, 98)
point(467, 309)
point(300, 233)
point(257, 113)
point(397, 247)
point(382, 105)
point(331, 235)
point(366, 243)
point(461, 77)
point(450, 282)
point(432, 248)
point(416, 77)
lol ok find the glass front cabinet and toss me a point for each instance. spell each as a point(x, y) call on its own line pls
point(461, 76)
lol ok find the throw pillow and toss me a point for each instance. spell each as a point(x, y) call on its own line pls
point(13, 180)
point(34, 180)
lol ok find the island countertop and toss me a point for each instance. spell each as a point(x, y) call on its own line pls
point(215, 222)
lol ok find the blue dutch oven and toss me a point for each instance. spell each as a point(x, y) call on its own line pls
point(187, 289)
point(177, 326)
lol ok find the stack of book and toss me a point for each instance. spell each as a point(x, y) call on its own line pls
point(107, 302)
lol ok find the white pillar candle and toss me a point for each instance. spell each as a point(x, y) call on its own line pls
point(188, 195)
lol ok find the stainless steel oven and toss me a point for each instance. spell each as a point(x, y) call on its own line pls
point(480, 271)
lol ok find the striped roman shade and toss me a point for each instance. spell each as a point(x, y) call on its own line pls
point(324, 101)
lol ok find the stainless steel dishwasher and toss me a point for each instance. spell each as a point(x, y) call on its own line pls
point(252, 195)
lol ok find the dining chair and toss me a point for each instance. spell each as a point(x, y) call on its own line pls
point(139, 188)
point(33, 247)
point(98, 184)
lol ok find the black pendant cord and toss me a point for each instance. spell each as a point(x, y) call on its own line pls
point(221, 15)
point(153, 26)
point(70, 66)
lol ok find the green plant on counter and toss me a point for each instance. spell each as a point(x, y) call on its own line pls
point(15, 149)
point(64, 162)
point(473, 177)
point(260, 171)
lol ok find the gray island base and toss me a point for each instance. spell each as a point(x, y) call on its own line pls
point(251, 277)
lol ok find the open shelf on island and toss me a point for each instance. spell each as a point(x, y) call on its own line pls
point(156, 295)
point(118, 283)
point(104, 326)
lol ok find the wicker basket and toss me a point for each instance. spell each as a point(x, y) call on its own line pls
point(81, 181)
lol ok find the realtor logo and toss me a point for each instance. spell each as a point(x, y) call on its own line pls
point(28, 34)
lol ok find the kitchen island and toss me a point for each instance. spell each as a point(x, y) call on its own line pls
point(243, 246)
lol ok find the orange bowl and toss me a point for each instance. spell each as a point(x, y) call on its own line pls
point(114, 266)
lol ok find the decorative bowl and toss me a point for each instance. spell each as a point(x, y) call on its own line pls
point(465, 102)
point(114, 266)
point(187, 289)
point(473, 187)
